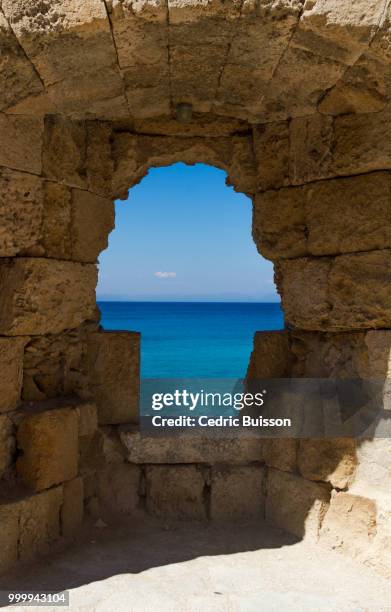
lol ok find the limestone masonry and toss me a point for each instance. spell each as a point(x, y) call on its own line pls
point(292, 99)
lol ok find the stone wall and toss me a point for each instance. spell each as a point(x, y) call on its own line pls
point(88, 100)
point(322, 215)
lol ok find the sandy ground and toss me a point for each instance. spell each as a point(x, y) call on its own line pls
point(146, 568)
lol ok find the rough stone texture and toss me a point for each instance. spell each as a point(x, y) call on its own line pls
point(118, 488)
point(7, 444)
point(18, 78)
point(347, 292)
point(141, 36)
point(55, 365)
point(78, 153)
point(237, 493)
point(9, 535)
point(315, 147)
point(11, 372)
point(257, 61)
point(21, 212)
point(143, 449)
point(270, 357)
point(65, 299)
point(280, 453)
point(54, 40)
point(29, 526)
point(92, 221)
point(49, 445)
point(72, 507)
point(291, 99)
point(112, 449)
point(175, 492)
point(21, 143)
point(113, 365)
point(39, 522)
point(332, 461)
point(41, 218)
point(295, 504)
point(272, 154)
point(330, 355)
point(88, 419)
point(324, 218)
point(134, 155)
point(350, 523)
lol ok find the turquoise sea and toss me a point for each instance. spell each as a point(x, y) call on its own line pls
point(193, 339)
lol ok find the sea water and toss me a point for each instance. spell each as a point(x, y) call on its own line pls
point(193, 339)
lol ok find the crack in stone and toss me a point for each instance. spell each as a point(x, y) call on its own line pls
point(26, 57)
point(281, 58)
point(116, 54)
point(351, 66)
point(169, 62)
point(234, 33)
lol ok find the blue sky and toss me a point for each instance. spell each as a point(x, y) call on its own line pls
point(184, 235)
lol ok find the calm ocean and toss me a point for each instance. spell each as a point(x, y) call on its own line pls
point(193, 339)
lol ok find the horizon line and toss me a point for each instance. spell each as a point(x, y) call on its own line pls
point(184, 301)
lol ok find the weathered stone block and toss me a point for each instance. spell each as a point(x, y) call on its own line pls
point(279, 224)
point(55, 236)
point(356, 141)
point(54, 365)
point(362, 89)
point(49, 445)
point(349, 524)
point(91, 456)
point(270, 357)
point(112, 449)
point(330, 460)
point(338, 30)
point(72, 507)
point(113, 363)
point(18, 79)
point(58, 36)
point(79, 154)
point(88, 419)
point(295, 504)
point(175, 492)
point(21, 143)
point(272, 154)
point(92, 221)
point(280, 453)
point(348, 292)
point(118, 488)
point(324, 218)
point(378, 345)
point(29, 526)
point(373, 472)
point(39, 522)
point(133, 156)
point(11, 372)
point(143, 449)
point(237, 493)
point(311, 142)
point(329, 355)
point(297, 84)
point(41, 296)
point(9, 537)
point(7, 443)
point(21, 211)
point(44, 218)
point(64, 151)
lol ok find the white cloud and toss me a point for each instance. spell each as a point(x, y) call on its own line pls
point(165, 274)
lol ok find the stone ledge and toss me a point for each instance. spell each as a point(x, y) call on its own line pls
point(191, 449)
